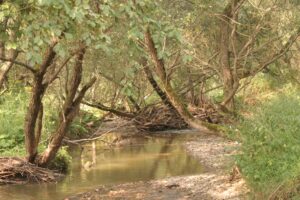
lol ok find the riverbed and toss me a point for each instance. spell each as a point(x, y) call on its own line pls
point(126, 164)
point(138, 158)
point(219, 179)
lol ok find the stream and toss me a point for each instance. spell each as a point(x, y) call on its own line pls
point(143, 159)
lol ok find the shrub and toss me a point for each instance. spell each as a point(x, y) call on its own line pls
point(270, 158)
point(62, 160)
point(85, 123)
point(12, 114)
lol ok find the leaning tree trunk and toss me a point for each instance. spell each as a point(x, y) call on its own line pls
point(172, 96)
point(70, 109)
point(163, 96)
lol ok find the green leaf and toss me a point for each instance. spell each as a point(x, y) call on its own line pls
point(187, 59)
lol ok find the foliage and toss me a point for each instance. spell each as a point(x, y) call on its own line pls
point(270, 150)
point(62, 160)
point(187, 37)
point(12, 113)
point(33, 25)
point(84, 124)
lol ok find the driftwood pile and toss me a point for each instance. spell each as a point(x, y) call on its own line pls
point(158, 118)
point(208, 114)
point(17, 171)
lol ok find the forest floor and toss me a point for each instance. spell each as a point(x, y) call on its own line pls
point(221, 181)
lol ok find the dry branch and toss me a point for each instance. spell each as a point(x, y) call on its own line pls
point(18, 171)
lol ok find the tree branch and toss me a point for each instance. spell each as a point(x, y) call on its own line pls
point(279, 54)
point(108, 109)
point(29, 67)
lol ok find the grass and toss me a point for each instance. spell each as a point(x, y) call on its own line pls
point(12, 114)
point(270, 160)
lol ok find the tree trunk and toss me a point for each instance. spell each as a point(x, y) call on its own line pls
point(228, 44)
point(172, 96)
point(70, 109)
point(191, 86)
point(225, 67)
point(163, 96)
point(35, 105)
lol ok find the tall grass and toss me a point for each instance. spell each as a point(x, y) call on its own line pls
point(12, 113)
point(270, 159)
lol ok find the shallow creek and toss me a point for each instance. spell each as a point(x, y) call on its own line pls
point(140, 159)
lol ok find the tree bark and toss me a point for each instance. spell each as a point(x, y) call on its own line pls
point(39, 126)
point(35, 105)
point(163, 96)
point(70, 109)
point(225, 65)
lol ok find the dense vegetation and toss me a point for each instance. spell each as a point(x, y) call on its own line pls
point(65, 63)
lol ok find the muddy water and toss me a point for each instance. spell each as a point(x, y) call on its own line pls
point(142, 160)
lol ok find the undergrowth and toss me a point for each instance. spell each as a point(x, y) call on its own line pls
point(270, 138)
point(13, 108)
point(12, 114)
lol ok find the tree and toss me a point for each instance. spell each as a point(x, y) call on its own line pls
point(236, 39)
point(34, 36)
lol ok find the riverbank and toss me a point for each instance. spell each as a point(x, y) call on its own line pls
point(14, 170)
point(218, 182)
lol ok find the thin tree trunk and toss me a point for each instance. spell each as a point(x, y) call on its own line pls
point(134, 103)
point(191, 86)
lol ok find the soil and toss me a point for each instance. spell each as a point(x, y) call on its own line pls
point(222, 181)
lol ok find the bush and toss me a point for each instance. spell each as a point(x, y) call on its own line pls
point(62, 160)
point(12, 114)
point(270, 158)
point(84, 124)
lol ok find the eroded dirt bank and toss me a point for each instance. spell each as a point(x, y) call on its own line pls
point(218, 183)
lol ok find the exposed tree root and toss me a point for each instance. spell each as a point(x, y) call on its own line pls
point(17, 171)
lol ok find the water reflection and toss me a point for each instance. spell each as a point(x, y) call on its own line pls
point(148, 159)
